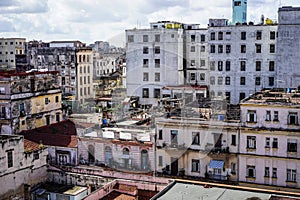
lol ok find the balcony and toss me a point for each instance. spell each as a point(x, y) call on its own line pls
point(174, 146)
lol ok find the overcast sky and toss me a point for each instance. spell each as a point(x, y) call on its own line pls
point(106, 20)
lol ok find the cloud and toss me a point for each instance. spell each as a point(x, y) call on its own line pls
point(7, 26)
point(28, 6)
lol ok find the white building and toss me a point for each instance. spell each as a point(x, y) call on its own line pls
point(154, 58)
point(242, 59)
point(288, 45)
point(269, 139)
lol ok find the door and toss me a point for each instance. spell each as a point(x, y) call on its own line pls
point(174, 166)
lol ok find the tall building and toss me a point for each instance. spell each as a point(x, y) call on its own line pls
point(288, 45)
point(154, 58)
point(11, 49)
point(239, 11)
point(242, 59)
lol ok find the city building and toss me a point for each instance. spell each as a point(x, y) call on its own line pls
point(12, 50)
point(242, 58)
point(23, 165)
point(29, 100)
point(269, 139)
point(239, 11)
point(287, 56)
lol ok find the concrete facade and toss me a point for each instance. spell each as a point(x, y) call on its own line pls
point(20, 167)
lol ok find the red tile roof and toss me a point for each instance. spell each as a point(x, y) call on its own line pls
point(66, 127)
point(47, 139)
point(62, 134)
point(30, 146)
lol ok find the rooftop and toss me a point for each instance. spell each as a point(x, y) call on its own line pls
point(276, 96)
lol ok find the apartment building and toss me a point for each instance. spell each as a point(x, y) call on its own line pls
point(11, 52)
point(23, 165)
point(197, 142)
point(242, 58)
point(288, 41)
point(154, 58)
point(269, 139)
point(84, 87)
point(29, 100)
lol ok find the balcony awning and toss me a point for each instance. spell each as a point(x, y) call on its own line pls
point(217, 164)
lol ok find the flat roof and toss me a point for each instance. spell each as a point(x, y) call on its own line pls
point(196, 192)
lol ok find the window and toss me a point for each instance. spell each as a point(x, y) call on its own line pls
point(157, 50)
point(202, 48)
point(233, 140)
point(212, 36)
point(192, 48)
point(242, 95)
point(272, 35)
point(243, 48)
point(250, 171)
point(271, 81)
point(267, 142)
point(195, 165)
point(251, 142)
point(291, 175)
point(220, 48)
point(145, 76)
point(275, 116)
point(130, 38)
point(36, 155)
point(274, 172)
point(292, 145)
point(271, 66)
point(157, 77)
point(293, 118)
point(47, 119)
point(258, 48)
point(193, 38)
point(145, 50)
point(227, 80)
point(220, 80)
point(145, 92)
point(202, 63)
point(233, 168)
point(258, 35)
point(156, 93)
point(212, 48)
point(228, 48)
point(160, 161)
point(275, 143)
point(267, 171)
point(56, 99)
point(47, 100)
point(227, 65)
point(220, 36)
point(272, 48)
point(145, 38)
point(196, 138)
point(157, 63)
point(243, 35)
point(193, 76)
point(212, 80)
point(243, 80)
point(251, 116)
point(220, 65)
point(268, 115)
point(160, 134)
point(237, 3)
point(145, 62)
point(243, 65)
point(157, 38)
point(202, 76)
point(212, 65)
point(257, 80)
point(57, 116)
point(10, 161)
point(174, 134)
point(202, 37)
point(193, 62)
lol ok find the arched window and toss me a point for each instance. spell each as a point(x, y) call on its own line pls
point(126, 159)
